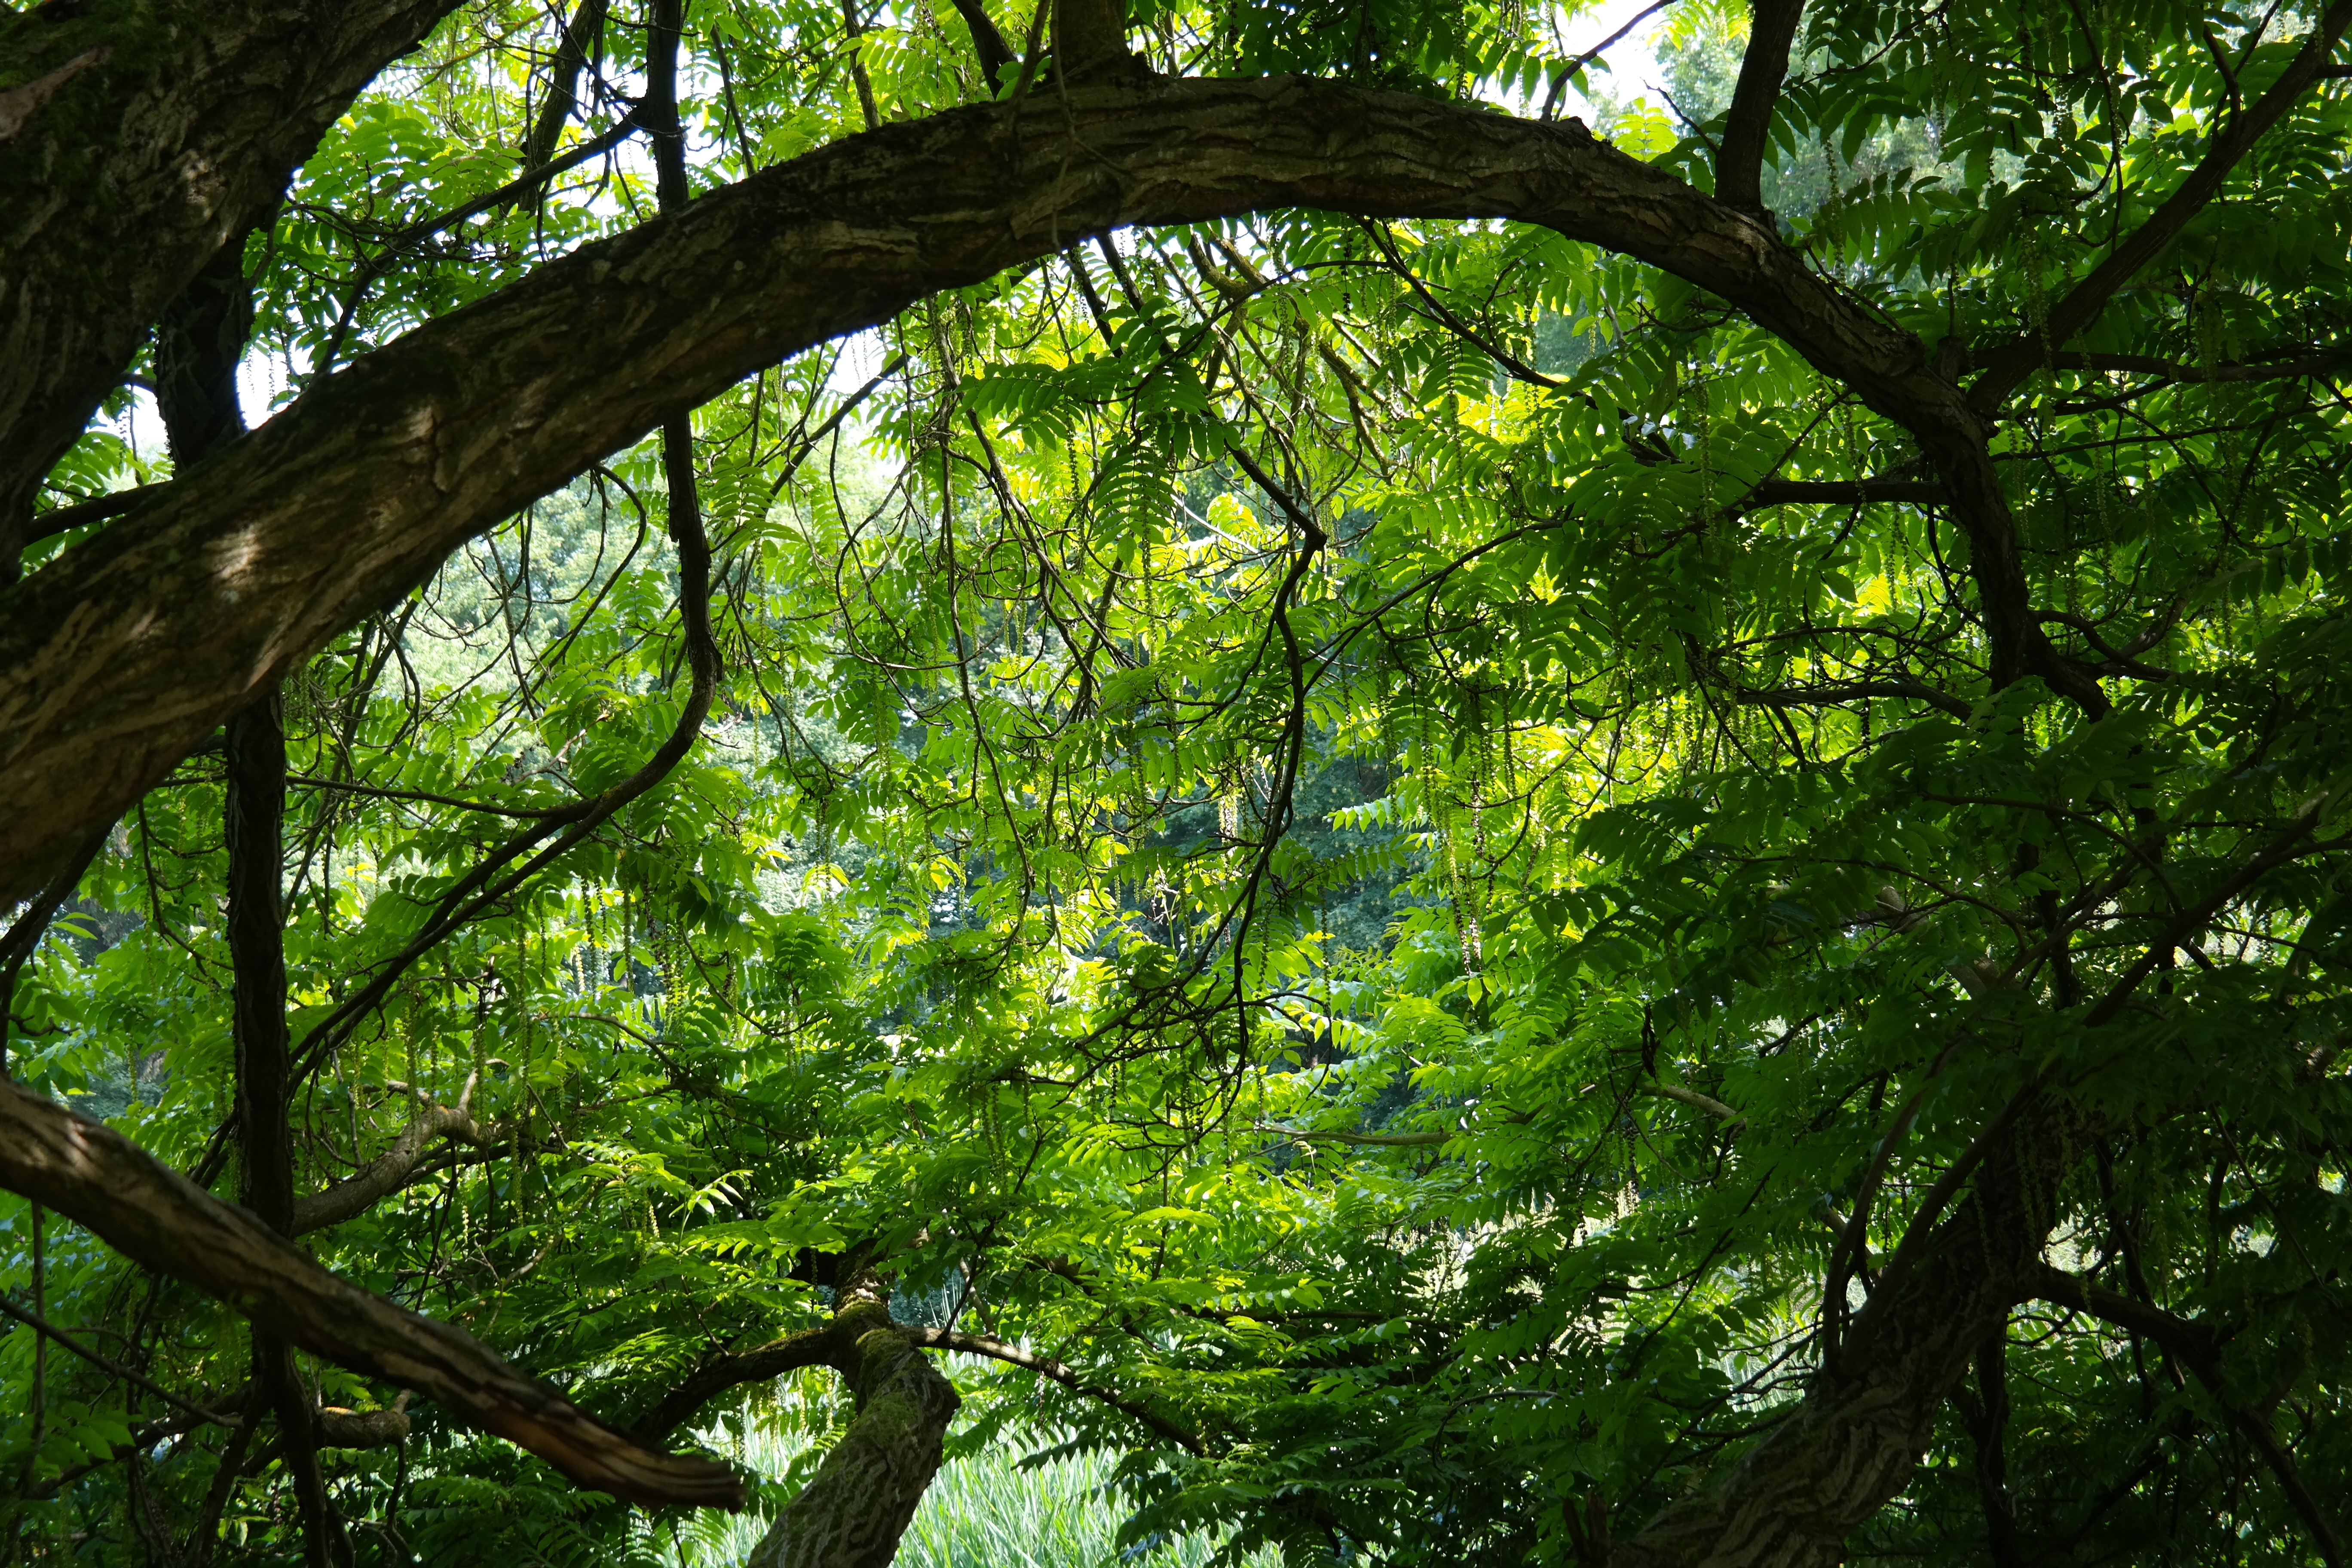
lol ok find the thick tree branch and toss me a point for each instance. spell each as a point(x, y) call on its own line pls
point(157, 1217)
point(1748, 129)
point(120, 657)
point(390, 1170)
point(731, 1368)
point(189, 115)
point(2008, 365)
point(1791, 1499)
point(1090, 39)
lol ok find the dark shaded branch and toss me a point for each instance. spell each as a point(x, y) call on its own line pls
point(1363, 1140)
point(1516, 368)
point(1988, 1421)
point(24, 938)
point(731, 1369)
point(584, 40)
point(657, 110)
point(199, 345)
point(2313, 362)
point(525, 184)
point(59, 519)
point(1748, 129)
point(157, 1217)
point(1839, 692)
point(988, 43)
point(205, 1533)
point(2196, 1346)
point(346, 786)
point(2191, 921)
point(1842, 492)
point(2192, 1342)
point(112, 1369)
point(995, 1349)
point(2008, 365)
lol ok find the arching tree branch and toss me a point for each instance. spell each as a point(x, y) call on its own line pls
point(731, 1368)
point(118, 658)
point(157, 1217)
point(390, 1170)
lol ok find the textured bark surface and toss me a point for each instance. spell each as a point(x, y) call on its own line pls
point(1791, 1500)
point(156, 1216)
point(121, 657)
point(174, 135)
point(855, 1509)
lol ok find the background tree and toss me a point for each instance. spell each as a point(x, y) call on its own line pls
point(1491, 840)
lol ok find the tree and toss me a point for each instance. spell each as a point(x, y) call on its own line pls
point(1498, 841)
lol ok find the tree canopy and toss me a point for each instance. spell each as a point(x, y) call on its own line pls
point(1183, 731)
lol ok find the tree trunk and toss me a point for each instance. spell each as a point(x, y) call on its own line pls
point(852, 1511)
point(1791, 1500)
point(198, 346)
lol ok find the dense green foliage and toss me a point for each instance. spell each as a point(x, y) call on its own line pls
point(1283, 828)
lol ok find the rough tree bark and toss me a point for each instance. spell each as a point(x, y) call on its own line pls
point(154, 1215)
point(137, 137)
point(855, 1509)
point(1791, 1500)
